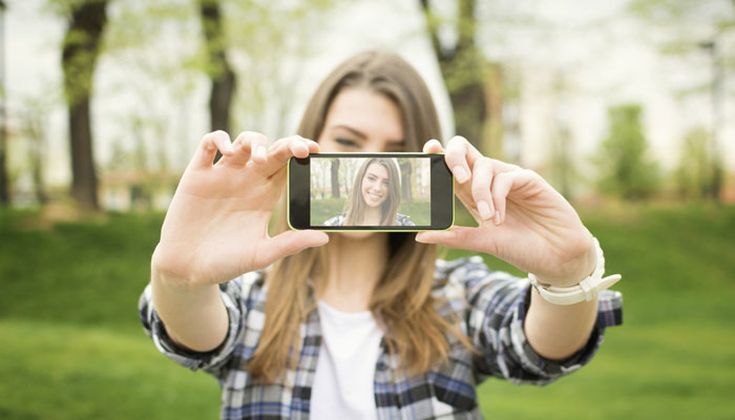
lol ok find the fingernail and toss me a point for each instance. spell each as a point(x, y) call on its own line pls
point(497, 218)
point(460, 173)
point(484, 209)
point(260, 152)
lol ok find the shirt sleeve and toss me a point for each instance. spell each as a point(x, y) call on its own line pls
point(497, 303)
point(334, 221)
point(212, 361)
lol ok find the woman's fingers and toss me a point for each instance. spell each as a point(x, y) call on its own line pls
point(482, 177)
point(243, 147)
point(505, 182)
point(208, 147)
point(258, 146)
point(461, 237)
point(433, 146)
point(251, 149)
point(288, 243)
point(282, 150)
point(460, 157)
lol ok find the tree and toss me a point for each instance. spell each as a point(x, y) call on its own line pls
point(334, 171)
point(687, 29)
point(695, 169)
point(81, 48)
point(406, 166)
point(624, 167)
point(271, 40)
point(463, 69)
point(562, 168)
point(562, 165)
point(218, 68)
point(4, 188)
point(33, 118)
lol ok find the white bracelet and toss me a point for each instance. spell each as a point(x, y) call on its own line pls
point(586, 290)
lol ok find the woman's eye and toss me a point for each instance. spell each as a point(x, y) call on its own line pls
point(346, 142)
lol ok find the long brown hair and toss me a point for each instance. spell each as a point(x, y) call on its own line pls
point(355, 205)
point(402, 299)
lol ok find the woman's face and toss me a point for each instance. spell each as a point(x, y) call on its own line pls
point(360, 120)
point(375, 185)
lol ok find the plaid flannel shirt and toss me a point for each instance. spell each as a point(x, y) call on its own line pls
point(491, 304)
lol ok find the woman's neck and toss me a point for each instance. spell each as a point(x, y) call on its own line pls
point(355, 266)
point(372, 216)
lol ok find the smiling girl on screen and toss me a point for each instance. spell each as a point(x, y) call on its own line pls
point(370, 325)
point(374, 198)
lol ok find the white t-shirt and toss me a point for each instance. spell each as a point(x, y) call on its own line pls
point(343, 382)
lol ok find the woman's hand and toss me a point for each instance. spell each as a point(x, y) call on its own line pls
point(216, 227)
point(522, 219)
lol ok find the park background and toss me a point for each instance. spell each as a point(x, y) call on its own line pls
point(625, 106)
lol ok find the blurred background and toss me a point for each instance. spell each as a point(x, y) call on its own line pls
point(625, 106)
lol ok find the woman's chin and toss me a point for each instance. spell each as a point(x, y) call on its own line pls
point(374, 204)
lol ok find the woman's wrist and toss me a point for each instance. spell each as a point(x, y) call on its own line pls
point(169, 271)
point(585, 290)
point(579, 268)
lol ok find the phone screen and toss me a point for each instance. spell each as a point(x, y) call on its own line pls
point(370, 191)
point(378, 191)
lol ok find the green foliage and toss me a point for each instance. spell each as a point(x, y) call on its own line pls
point(268, 37)
point(696, 164)
point(73, 345)
point(682, 28)
point(624, 167)
point(81, 46)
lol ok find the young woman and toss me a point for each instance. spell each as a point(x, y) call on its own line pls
point(368, 325)
point(374, 198)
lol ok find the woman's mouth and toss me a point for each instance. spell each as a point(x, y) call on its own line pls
point(374, 196)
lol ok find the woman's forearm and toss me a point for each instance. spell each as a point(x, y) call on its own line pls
point(195, 317)
point(558, 331)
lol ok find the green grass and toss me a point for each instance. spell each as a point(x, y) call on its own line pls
point(418, 211)
point(325, 209)
point(72, 346)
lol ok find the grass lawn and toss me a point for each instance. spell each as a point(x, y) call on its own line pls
point(72, 347)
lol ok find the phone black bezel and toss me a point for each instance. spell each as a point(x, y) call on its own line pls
point(442, 193)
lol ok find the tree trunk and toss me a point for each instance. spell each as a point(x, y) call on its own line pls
point(406, 175)
point(335, 178)
point(462, 68)
point(78, 60)
point(35, 130)
point(4, 187)
point(220, 71)
point(4, 190)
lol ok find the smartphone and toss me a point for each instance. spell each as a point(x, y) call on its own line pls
point(389, 192)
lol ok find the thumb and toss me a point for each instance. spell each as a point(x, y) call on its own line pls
point(460, 237)
point(289, 243)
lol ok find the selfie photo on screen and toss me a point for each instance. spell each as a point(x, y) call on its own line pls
point(375, 191)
